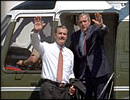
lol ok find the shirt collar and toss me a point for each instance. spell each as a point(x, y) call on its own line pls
point(59, 47)
point(82, 34)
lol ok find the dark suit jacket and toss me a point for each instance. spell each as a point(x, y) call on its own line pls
point(80, 91)
point(95, 59)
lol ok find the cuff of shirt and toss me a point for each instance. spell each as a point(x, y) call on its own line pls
point(33, 32)
point(103, 27)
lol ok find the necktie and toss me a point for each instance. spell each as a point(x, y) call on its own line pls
point(84, 43)
point(60, 66)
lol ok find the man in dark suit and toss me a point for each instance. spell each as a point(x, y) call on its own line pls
point(90, 65)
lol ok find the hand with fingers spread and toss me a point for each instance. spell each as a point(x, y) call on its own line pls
point(98, 20)
point(38, 24)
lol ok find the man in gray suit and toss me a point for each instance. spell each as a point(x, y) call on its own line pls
point(90, 62)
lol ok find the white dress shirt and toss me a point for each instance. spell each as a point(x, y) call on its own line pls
point(50, 53)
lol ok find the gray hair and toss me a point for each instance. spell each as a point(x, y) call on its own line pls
point(82, 14)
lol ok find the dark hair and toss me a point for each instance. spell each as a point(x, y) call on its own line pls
point(60, 26)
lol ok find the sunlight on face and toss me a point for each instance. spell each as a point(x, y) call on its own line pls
point(61, 36)
point(83, 23)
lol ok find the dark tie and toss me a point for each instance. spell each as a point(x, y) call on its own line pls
point(60, 66)
point(84, 43)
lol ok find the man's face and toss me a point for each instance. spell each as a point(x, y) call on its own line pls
point(83, 23)
point(61, 36)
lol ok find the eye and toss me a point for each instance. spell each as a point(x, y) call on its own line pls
point(85, 21)
point(59, 33)
point(64, 33)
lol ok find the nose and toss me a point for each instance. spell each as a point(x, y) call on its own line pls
point(83, 23)
point(62, 35)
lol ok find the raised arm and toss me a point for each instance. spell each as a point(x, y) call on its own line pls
point(98, 20)
point(38, 26)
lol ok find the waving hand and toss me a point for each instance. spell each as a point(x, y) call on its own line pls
point(98, 20)
point(38, 24)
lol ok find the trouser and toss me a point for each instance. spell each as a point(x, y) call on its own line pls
point(53, 90)
point(94, 87)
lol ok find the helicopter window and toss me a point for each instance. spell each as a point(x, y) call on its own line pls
point(20, 45)
point(4, 26)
